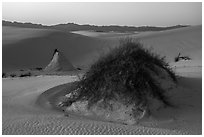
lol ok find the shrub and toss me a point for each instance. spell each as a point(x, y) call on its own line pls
point(13, 75)
point(3, 75)
point(79, 68)
point(39, 68)
point(25, 75)
point(176, 59)
point(179, 57)
point(125, 74)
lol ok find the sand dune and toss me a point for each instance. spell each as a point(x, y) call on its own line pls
point(14, 34)
point(34, 47)
point(22, 116)
point(187, 41)
point(104, 34)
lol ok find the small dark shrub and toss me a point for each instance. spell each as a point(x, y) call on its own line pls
point(3, 75)
point(99, 31)
point(13, 75)
point(25, 75)
point(179, 57)
point(38, 68)
point(78, 68)
point(176, 59)
point(125, 75)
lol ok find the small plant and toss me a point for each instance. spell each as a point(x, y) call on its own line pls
point(125, 74)
point(38, 68)
point(179, 57)
point(26, 75)
point(78, 68)
point(176, 59)
point(3, 75)
point(13, 75)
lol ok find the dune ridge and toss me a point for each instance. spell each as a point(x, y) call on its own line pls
point(36, 45)
point(32, 50)
point(187, 41)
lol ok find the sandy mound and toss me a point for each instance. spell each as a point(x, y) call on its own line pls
point(59, 63)
point(21, 115)
point(183, 119)
point(124, 85)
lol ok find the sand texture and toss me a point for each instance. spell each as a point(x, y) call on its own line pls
point(28, 104)
point(21, 114)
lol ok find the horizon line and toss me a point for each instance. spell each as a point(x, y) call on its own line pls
point(98, 25)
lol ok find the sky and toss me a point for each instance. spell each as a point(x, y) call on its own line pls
point(101, 13)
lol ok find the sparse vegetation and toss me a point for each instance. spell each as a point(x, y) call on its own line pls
point(125, 75)
point(179, 57)
point(25, 75)
point(39, 68)
point(13, 75)
point(3, 75)
point(78, 68)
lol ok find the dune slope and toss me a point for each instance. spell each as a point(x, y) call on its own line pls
point(187, 41)
point(21, 114)
point(34, 47)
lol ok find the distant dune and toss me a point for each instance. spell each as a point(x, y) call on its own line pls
point(28, 48)
point(11, 35)
point(76, 27)
point(187, 41)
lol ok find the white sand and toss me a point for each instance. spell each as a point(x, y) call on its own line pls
point(103, 34)
point(24, 48)
point(22, 116)
point(187, 41)
point(15, 34)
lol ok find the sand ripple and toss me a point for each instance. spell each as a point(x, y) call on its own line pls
point(22, 116)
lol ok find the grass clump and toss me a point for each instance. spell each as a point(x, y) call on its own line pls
point(25, 75)
point(3, 75)
point(179, 57)
point(38, 68)
point(13, 75)
point(125, 75)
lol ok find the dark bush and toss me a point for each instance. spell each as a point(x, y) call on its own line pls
point(3, 75)
point(13, 75)
point(125, 75)
point(176, 59)
point(39, 68)
point(79, 68)
point(179, 57)
point(25, 75)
